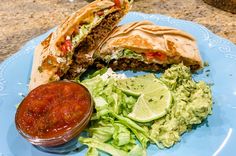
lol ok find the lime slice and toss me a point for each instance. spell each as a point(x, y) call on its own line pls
point(146, 76)
point(136, 86)
point(141, 110)
point(154, 100)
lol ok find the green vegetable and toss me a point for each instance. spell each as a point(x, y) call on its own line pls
point(143, 139)
point(130, 123)
point(92, 152)
point(85, 29)
point(102, 146)
point(82, 32)
point(131, 54)
point(98, 72)
point(137, 151)
point(125, 53)
point(192, 104)
point(112, 131)
point(121, 135)
point(103, 134)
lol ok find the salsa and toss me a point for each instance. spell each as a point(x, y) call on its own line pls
point(53, 109)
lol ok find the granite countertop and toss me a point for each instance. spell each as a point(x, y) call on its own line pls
point(26, 19)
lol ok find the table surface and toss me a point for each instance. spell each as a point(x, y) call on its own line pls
point(25, 19)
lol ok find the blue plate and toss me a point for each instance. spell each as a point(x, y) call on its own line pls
point(215, 137)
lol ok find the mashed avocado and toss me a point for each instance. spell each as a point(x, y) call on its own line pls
point(191, 105)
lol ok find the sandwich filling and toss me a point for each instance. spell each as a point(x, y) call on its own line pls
point(71, 46)
point(81, 58)
point(126, 59)
point(75, 58)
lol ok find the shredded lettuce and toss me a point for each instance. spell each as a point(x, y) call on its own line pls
point(103, 134)
point(82, 32)
point(85, 29)
point(131, 54)
point(108, 148)
point(125, 53)
point(137, 151)
point(110, 129)
point(121, 135)
point(102, 146)
point(92, 152)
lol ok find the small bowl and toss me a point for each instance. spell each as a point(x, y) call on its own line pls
point(68, 134)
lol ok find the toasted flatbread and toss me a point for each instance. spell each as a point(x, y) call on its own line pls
point(74, 41)
point(156, 45)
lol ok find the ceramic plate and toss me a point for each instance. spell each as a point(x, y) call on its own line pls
point(214, 137)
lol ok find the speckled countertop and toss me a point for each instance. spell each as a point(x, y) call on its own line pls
point(22, 20)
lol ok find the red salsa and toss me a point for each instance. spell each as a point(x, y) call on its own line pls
point(53, 109)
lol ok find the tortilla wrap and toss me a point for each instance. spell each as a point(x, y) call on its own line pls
point(50, 62)
point(144, 37)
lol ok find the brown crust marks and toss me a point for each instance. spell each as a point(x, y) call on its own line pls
point(49, 63)
point(171, 46)
point(133, 40)
point(45, 43)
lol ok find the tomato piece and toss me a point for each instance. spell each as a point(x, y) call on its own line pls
point(156, 55)
point(66, 46)
point(100, 13)
point(149, 55)
point(160, 56)
point(117, 3)
point(63, 48)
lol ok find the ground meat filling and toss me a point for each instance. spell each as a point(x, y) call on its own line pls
point(136, 65)
point(194, 67)
point(130, 64)
point(81, 59)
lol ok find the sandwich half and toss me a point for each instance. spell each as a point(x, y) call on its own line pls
point(68, 51)
point(147, 47)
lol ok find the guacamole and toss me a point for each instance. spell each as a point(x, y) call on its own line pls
point(192, 103)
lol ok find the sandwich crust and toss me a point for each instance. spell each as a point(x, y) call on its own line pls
point(144, 37)
point(50, 63)
point(83, 15)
